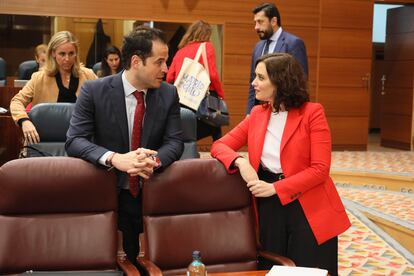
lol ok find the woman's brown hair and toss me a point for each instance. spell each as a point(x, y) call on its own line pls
point(199, 31)
point(286, 74)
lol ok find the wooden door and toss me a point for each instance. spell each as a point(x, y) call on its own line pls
point(344, 67)
point(397, 99)
point(377, 86)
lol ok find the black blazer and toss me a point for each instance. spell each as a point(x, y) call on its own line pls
point(99, 122)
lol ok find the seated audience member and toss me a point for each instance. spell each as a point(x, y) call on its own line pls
point(197, 33)
point(40, 56)
point(300, 213)
point(59, 81)
point(111, 63)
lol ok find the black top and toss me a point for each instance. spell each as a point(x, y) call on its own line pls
point(67, 95)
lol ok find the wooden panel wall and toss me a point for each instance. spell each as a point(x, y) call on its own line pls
point(335, 32)
point(344, 68)
point(84, 28)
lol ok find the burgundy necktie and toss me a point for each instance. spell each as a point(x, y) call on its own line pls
point(136, 137)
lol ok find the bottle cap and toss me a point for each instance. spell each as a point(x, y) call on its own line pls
point(196, 254)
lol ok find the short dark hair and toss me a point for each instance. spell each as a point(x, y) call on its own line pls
point(286, 74)
point(270, 10)
point(139, 42)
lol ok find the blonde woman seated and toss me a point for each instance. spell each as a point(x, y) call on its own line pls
point(40, 55)
point(59, 81)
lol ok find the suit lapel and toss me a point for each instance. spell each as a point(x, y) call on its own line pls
point(117, 97)
point(259, 49)
point(280, 42)
point(260, 123)
point(150, 114)
point(293, 119)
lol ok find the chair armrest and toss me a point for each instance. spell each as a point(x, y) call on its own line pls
point(275, 258)
point(127, 267)
point(151, 268)
point(122, 260)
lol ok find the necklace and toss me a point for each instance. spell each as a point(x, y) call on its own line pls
point(66, 78)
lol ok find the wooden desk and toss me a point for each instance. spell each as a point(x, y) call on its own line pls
point(10, 135)
point(10, 81)
point(6, 94)
point(243, 273)
point(10, 139)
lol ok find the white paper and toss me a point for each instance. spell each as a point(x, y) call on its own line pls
point(278, 270)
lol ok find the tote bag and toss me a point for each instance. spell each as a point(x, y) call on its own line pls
point(193, 80)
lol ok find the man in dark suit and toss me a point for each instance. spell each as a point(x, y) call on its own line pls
point(123, 120)
point(273, 39)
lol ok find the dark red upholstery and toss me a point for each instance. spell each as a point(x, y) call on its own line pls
point(196, 205)
point(57, 213)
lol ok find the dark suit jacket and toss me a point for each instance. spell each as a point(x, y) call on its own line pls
point(287, 43)
point(99, 122)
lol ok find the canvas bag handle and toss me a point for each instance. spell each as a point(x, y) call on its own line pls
point(202, 51)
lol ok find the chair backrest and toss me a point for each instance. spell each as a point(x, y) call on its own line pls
point(96, 67)
point(52, 122)
point(25, 69)
point(2, 72)
point(189, 126)
point(195, 205)
point(57, 213)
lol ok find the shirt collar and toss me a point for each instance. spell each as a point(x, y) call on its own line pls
point(128, 87)
point(275, 36)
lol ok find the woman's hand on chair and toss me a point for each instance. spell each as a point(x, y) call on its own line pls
point(30, 132)
point(247, 172)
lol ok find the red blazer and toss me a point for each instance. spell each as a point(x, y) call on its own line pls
point(305, 154)
point(190, 51)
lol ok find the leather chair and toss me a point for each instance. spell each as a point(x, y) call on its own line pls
point(189, 126)
point(195, 205)
point(59, 214)
point(26, 69)
point(52, 122)
point(2, 72)
point(96, 67)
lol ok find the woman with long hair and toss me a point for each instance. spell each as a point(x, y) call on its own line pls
point(198, 32)
point(59, 81)
point(111, 63)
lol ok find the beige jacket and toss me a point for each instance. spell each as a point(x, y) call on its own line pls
point(41, 89)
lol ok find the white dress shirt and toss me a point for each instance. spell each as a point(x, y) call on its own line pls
point(270, 158)
point(274, 38)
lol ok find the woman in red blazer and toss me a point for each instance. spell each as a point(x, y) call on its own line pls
point(299, 210)
point(197, 33)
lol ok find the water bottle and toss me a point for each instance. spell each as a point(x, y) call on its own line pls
point(196, 268)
